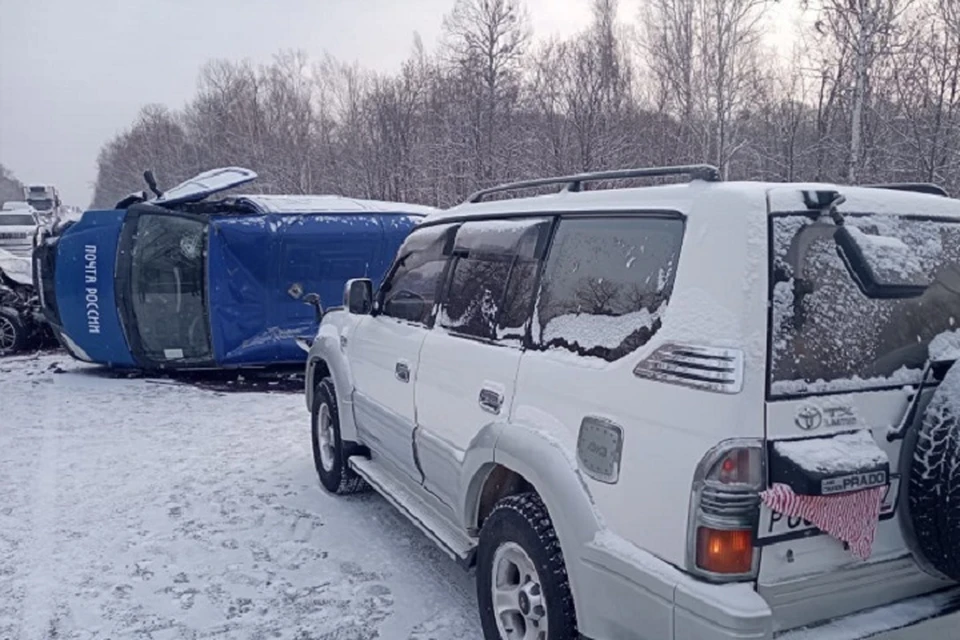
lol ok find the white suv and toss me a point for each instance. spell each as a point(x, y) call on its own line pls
point(598, 398)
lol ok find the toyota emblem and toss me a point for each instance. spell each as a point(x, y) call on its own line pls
point(809, 418)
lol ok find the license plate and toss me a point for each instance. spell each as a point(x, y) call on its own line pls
point(775, 527)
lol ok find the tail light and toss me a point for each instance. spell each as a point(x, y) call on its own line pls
point(724, 507)
point(725, 551)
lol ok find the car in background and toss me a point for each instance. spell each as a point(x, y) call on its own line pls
point(18, 228)
point(183, 281)
point(15, 205)
point(22, 325)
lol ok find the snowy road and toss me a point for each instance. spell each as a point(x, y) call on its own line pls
point(138, 509)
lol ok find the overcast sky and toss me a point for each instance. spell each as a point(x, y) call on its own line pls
point(75, 72)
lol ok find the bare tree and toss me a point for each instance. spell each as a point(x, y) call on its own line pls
point(705, 53)
point(867, 31)
point(10, 187)
point(873, 93)
point(486, 41)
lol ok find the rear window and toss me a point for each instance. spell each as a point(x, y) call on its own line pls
point(606, 284)
point(827, 336)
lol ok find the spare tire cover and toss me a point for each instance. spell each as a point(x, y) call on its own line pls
point(934, 487)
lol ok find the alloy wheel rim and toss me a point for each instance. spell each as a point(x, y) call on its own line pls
point(325, 436)
point(518, 601)
point(8, 334)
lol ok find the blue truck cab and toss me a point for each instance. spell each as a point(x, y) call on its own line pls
point(185, 281)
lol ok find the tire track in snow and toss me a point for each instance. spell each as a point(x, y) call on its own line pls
point(37, 620)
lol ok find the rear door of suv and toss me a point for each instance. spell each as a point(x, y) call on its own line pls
point(468, 364)
point(845, 363)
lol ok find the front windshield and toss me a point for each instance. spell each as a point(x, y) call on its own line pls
point(42, 205)
point(17, 220)
point(827, 335)
point(167, 287)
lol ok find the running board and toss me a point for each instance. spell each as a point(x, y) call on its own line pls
point(927, 616)
point(453, 542)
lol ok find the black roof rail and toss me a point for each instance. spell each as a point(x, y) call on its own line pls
point(573, 183)
point(919, 187)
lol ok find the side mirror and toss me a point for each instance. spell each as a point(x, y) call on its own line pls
point(883, 267)
point(313, 299)
point(358, 296)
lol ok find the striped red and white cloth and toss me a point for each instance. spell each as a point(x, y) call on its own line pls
point(848, 517)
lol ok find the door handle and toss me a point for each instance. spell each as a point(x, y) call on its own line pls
point(490, 400)
point(402, 371)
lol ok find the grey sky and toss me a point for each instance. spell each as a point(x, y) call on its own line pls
point(75, 72)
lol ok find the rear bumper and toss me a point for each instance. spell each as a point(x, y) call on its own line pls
point(625, 593)
point(934, 616)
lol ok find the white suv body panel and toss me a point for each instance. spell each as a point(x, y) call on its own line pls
point(383, 405)
point(620, 541)
point(452, 373)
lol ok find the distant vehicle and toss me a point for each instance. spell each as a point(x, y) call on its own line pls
point(44, 198)
point(18, 229)
point(15, 205)
point(183, 281)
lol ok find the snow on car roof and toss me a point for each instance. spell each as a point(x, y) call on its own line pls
point(680, 197)
point(330, 203)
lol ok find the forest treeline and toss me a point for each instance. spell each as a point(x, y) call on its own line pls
point(869, 93)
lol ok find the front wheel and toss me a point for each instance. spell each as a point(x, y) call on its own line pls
point(522, 585)
point(330, 453)
point(13, 332)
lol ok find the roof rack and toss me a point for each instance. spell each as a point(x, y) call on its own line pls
point(919, 187)
point(705, 172)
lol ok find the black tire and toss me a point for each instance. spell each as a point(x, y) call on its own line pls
point(934, 490)
point(339, 478)
point(14, 333)
point(523, 520)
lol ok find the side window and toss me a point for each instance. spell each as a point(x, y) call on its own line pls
point(491, 285)
point(606, 283)
point(409, 292)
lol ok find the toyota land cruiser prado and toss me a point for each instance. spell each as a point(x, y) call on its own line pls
point(689, 411)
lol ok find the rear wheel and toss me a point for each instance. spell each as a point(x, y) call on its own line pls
point(522, 584)
point(13, 332)
point(330, 453)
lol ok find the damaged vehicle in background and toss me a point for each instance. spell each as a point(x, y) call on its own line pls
point(184, 281)
point(22, 325)
point(702, 411)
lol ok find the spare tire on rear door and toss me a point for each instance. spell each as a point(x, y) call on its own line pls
point(934, 482)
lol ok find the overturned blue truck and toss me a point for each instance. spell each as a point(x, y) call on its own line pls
point(185, 281)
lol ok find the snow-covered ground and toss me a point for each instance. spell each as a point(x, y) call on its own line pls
point(145, 509)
